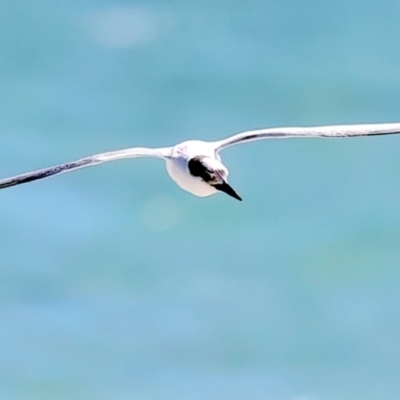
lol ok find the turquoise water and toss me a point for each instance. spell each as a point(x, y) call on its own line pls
point(115, 284)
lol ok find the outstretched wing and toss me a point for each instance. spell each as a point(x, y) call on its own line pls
point(84, 162)
point(333, 131)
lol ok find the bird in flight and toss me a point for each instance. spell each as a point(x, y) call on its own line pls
point(196, 165)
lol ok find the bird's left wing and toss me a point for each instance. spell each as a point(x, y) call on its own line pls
point(84, 162)
point(332, 131)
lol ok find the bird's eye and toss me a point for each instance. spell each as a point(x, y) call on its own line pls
point(209, 177)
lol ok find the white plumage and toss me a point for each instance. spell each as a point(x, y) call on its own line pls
point(196, 165)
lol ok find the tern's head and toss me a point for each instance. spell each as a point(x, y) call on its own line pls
point(212, 172)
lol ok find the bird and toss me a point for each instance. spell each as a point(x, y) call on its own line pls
point(196, 165)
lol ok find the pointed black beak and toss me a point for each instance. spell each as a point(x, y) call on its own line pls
point(224, 187)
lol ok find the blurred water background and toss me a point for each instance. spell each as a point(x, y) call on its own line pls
point(115, 284)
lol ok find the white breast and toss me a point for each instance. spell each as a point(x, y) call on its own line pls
point(177, 167)
point(178, 171)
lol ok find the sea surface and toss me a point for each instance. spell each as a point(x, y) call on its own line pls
point(117, 285)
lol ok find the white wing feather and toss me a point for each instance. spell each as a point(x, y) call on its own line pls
point(84, 162)
point(333, 131)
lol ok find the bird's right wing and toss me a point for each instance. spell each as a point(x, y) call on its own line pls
point(84, 162)
point(333, 131)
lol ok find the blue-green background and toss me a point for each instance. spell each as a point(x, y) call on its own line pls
point(115, 284)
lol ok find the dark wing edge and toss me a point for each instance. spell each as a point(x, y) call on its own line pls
point(133, 152)
point(46, 172)
point(328, 131)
